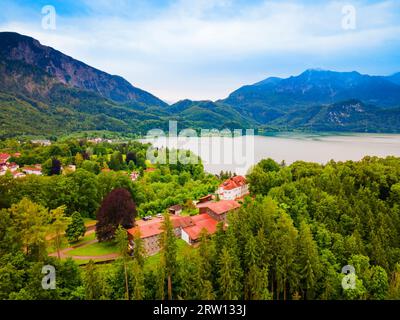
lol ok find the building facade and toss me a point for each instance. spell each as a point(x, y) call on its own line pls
point(233, 188)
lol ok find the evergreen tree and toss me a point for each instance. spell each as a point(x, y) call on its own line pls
point(76, 229)
point(168, 252)
point(230, 274)
point(308, 261)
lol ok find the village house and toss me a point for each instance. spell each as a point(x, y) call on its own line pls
point(6, 166)
point(36, 169)
point(233, 188)
point(99, 140)
point(18, 174)
point(175, 210)
point(218, 210)
point(150, 232)
point(4, 157)
point(191, 234)
point(44, 143)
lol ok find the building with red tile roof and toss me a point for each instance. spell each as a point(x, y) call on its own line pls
point(188, 228)
point(219, 210)
point(233, 188)
point(191, 234)
point(4, 157)
point(36, 170)
point(151, 230)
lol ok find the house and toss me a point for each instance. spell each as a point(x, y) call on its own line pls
point(4, 157)
point(188, 229)
point(233, 188)
point(191, 234)
point(150, 232)
point(219, 210)
point(206, 199)
point(18, 174)
point(44, 143)
point(36, 170)
point(134, 175)
point(99, 140)
point(12, 167)
point(176, 210)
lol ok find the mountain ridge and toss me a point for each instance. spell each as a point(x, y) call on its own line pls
point(71, 72)
point(43, 91)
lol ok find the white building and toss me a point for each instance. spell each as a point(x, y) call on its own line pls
point(233, 188)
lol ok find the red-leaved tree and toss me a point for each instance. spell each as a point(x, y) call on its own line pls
point(117, 208)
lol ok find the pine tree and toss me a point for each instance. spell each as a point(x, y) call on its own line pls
point(122, 243)
point(308, 261)
point(137, 276)
point(230, 275)
point(168, 251)
point(94, 289)
point(139, 251)
point(256, 284)
point(286, 238)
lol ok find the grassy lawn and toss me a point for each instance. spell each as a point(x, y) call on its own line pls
point(152, 261)
point(95, 249)
point(65, 243)
point(86, 238)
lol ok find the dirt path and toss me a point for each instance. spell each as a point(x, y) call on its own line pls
point(64, 252)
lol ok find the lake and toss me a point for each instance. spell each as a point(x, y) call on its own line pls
point(238, 154)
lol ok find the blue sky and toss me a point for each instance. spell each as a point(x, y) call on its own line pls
point(205, 49)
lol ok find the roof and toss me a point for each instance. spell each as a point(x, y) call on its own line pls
point(32, 169)
point(4, 157)
point(222, 206)
point(153, 227)
point(176, 207)
point(201, 222)
point(233, 183)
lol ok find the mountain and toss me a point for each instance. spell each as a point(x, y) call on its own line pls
point(46, 93)
point(55, 68)
point(395, 78)
point(347, 116)
point(314, 87)
point(210, 115)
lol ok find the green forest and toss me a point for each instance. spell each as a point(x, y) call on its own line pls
point(290, 240)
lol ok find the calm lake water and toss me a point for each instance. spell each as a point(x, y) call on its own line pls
point(240, 153)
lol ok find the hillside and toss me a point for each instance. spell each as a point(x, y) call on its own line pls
point(316, 87)
point(46, 93)
point(24, 54)
point(347, 116)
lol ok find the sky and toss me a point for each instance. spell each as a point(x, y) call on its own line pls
point(205, 49)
